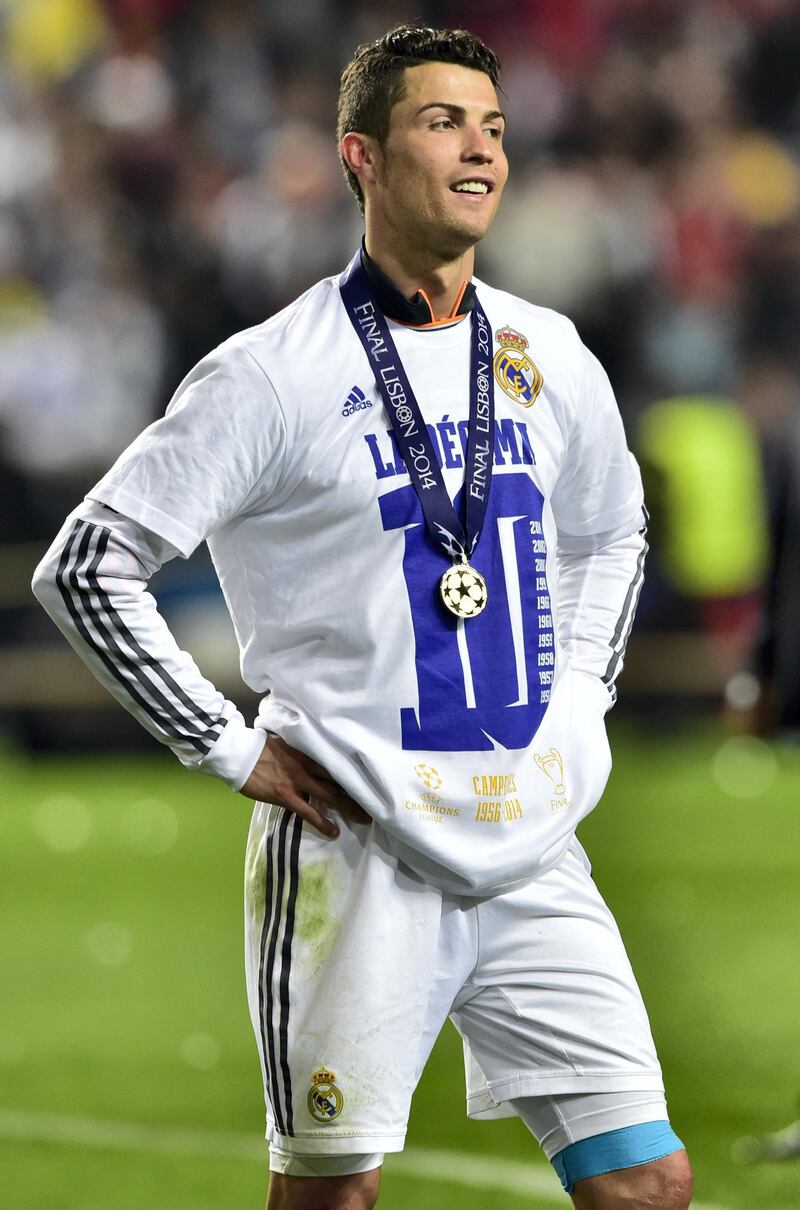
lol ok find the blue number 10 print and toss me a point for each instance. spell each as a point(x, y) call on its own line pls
point(486, 681)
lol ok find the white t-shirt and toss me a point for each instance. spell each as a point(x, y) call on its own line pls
point(476, 745)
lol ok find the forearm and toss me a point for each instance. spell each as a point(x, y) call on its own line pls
point(93, 583)
point(599, 590)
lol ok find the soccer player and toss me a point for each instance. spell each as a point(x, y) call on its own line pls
point(430, 535)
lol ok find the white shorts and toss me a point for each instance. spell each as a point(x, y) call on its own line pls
point(354, 964)
point(556, 1121)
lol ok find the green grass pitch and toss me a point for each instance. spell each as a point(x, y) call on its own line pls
point(123, 1005)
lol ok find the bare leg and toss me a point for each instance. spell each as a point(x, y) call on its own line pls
point(356, 1192)
point(664, 1184)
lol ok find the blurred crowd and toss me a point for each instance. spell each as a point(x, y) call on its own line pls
point(169, 174)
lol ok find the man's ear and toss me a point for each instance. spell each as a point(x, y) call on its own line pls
point(362, 155)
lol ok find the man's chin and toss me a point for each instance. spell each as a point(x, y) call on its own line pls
point(460, 236)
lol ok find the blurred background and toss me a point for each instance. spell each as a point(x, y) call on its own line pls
point(168, 175)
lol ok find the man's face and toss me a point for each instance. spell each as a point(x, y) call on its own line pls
point(444, 167)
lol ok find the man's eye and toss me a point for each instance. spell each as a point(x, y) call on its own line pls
point(494, 132)
point(442, 122)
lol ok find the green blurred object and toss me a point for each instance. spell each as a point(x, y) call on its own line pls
point(124, 1003)
point(708, 503)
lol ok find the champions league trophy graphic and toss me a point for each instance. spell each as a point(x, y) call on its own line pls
point(552, 766)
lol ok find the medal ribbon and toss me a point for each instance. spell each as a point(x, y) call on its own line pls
point(457, 540)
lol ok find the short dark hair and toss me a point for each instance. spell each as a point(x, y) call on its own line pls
point(372, 83)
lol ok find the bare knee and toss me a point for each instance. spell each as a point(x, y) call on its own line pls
point(664, 1184)
point(356, 1192)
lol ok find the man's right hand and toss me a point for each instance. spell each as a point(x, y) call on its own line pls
point(288, 777)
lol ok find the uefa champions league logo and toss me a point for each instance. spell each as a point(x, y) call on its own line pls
point(552, 766)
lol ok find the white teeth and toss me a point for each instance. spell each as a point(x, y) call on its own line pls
point(472, 187)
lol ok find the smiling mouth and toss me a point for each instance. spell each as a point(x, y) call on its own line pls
point(473, 188)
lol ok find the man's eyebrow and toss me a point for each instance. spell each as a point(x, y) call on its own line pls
point(459, 111)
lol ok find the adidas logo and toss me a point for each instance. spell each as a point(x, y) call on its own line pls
point(356, 401)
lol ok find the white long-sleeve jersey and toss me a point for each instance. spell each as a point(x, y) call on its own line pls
point(476, 746)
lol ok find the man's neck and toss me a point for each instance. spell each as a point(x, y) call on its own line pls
point(412, 272)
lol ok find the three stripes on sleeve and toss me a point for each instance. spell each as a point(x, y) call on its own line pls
point(624, 626)
point(134, 666)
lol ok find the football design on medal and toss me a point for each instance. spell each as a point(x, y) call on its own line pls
point(463, 591)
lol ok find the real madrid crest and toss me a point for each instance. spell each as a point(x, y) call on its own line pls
point(325, 1101)
point(519, 377)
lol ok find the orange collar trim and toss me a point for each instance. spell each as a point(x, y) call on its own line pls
point(415, 312)
point(447, 319)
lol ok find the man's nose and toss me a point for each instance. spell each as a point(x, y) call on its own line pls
point(479, 148)
point(484, 154)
